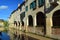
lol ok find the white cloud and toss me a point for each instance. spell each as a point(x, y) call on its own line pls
point(3, 7)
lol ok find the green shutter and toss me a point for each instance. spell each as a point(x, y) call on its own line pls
point(34, 4)
point(26, 8)
point(31, 6)
point(40, 2)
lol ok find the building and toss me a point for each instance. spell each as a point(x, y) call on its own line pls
point(1, 23)
point(40, 17)
point(12, 19)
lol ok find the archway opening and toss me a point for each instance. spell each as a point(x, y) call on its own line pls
point(40, 19)
point(56, 18)
point(22, 23)
point(56, 23)
point(30, 20)
point(15, 23)
point(41, 23)
point(18, 23)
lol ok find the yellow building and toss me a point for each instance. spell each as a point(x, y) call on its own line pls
point(1, 25)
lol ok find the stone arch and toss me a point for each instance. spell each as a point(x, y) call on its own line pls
point(15, 23)
point(56, 18)
point(41, 22)
point(40, 19)
point(30, 20)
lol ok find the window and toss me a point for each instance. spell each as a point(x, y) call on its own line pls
point(20, 8)
point(26, 8)
point(22, 15)
point(40, 3)
point(33, 5)
point(26, 0)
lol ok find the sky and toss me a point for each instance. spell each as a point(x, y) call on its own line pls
point(7, 7)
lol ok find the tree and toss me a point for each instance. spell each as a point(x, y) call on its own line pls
point(6, 25)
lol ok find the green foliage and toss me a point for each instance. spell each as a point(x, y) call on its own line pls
point(6, 24)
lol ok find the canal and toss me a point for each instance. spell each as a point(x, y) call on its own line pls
point(4, 36)
point(20, 36)
point(10, 35)
point(13, 34)
point(23, 37)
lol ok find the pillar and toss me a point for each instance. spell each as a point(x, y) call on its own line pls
point(48, 26)
point(34, 23)
point(27, 25)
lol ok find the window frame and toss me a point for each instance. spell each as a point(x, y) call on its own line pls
point(40, 3)
point(33, 5)
point(26, 8)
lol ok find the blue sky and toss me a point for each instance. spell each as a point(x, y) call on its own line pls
point(7, 6)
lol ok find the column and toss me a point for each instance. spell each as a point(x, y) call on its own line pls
point(34, 23)
point(27, 25)
point(48, 26)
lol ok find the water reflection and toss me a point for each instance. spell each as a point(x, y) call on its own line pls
point(19, 35)
point(23, 37)
point(4, 36)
